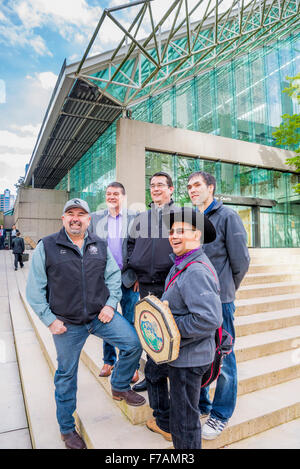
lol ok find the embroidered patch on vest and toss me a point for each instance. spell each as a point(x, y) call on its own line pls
point(93, 250)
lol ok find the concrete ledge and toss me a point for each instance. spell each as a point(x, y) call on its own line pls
point(264, 322)
point(259, 411)
point(36, 380)
point(264, 304)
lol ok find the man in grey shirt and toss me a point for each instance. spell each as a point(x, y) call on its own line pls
point(230, 257)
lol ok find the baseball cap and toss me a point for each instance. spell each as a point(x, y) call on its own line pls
point(77, 203)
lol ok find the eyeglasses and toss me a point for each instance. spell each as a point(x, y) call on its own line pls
point(159, 186)
point(179, 231)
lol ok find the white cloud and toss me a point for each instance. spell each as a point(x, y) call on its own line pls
point(2, 92)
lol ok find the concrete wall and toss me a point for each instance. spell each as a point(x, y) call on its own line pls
point(38, 212)
point(135, 137)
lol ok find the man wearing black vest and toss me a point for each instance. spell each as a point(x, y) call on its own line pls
point(74, 286)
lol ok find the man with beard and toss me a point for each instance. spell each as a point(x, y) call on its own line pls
point(74, 286)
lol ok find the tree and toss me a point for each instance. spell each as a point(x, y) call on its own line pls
point(288, 133)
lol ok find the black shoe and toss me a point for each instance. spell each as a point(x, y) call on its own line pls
point(141, 386)
point(16, 269)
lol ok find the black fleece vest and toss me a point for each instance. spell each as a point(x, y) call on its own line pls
point(76, 289)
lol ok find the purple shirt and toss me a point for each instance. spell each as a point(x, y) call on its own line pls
point(179, 259)
point(114, 238)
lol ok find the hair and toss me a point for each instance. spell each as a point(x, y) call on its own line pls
point(118, 185)
point(209, 179)
point(166, 175)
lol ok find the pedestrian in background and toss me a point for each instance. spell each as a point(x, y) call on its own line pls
point(18, 248)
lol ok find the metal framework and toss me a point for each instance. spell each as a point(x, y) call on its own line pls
point(139, 68)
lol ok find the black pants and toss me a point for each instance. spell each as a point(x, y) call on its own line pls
point(18, 258)
point(178, 413)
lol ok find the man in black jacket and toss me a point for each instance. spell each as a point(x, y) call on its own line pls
point(18, 247)
point(148, 244)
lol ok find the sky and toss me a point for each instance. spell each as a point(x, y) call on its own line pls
point(35, 38)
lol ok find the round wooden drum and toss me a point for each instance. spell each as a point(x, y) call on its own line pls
point(157, 329)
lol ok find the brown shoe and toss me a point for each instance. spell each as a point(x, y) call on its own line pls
point(131, 397)
point(135, 377)
point(73, 440)
point(106, 370)
point(152, 425)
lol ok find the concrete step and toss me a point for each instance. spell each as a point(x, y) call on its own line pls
point(96, 410)
point(265, 278)
point(92, 357)
point(268, 371)
point(266, 343)
point(266, 267)
point(260, 411)
point(263, 322)
point(37, 384)
point(268, 289)
point(285, 436)
point(265, 303)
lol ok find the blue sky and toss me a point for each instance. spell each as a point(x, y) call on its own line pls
point(35, 38)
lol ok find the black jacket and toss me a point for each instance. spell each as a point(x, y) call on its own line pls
point(148, 246)
point(18, 245)
point(76, 289)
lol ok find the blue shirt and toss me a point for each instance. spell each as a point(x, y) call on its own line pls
point(37, 283)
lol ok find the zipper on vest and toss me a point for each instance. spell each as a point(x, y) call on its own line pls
point(83, 288)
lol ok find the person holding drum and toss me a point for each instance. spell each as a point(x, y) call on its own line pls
point(192, 293)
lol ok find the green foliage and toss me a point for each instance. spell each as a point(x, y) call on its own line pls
point(288, 133)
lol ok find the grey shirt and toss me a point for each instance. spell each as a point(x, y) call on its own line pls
point(228, 253)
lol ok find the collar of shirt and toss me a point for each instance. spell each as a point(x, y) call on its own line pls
point(210, 207)
point(82, 247)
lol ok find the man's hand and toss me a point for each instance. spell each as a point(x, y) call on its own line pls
point(136, 286)
point(57, 327)
point(106, 314)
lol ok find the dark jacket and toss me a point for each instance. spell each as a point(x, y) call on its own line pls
point(76, 288)
point(148, 246)
point(196, 306)
point(18, 245)
point(99, 226)
point(228, 253)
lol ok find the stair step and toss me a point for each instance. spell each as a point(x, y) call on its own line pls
point(267, 289)
point(265, 303)
point(259, 411)
point(263, 322)
point(267, 371)
point(269, 268)
point(38, 388)
point(266, 343)
point(92, 357)
point(285, 436)
point(258, 279)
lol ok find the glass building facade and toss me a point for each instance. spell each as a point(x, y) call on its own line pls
point(240, 99)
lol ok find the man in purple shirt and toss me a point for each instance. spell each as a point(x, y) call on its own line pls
point(113, 225)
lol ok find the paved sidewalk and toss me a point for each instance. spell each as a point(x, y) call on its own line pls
point(14, 432)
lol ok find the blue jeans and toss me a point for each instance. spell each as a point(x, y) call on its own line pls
point(179, 413)
point(119, 333)
point(224, 401)
point(128, 301)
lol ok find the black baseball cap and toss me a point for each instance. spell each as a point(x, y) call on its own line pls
point(194, 218)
